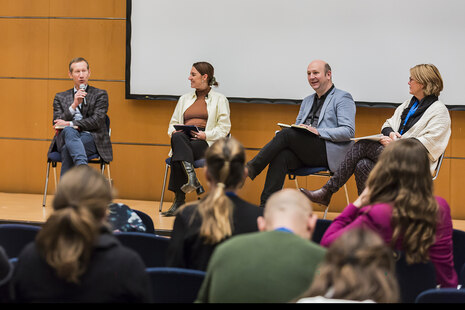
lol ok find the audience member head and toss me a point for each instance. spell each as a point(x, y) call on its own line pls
point(225, 171)
point(358, 266)
point(402, 177)
point(80, 205)
point(290, 209)
point(429, 77)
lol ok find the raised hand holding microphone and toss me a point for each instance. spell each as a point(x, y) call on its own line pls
point(79, 96)
point(83, 88)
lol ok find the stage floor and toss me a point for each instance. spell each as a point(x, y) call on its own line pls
point(27, 208)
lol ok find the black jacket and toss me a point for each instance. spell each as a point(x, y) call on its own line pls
point(188, 250)
point(115, 274)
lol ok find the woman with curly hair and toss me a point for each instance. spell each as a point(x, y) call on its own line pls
point(399, 204)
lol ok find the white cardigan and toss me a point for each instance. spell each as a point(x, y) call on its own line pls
point(218, 122)
point(432, 129)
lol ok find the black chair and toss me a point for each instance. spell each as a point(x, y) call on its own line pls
point(414, 279)
point(146, 220)
point(320, 228)
point(54, 157)
point(6, 273)
point(151, 248)
point(461, 276)
point(458, 240)
point(314, 171)
point(13, 237)
point(175, 285)
point(442, 296)
point(197, 164)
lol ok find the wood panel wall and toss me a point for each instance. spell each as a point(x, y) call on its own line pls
point(39, 39)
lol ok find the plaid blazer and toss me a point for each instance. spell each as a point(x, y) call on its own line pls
point(93, 121)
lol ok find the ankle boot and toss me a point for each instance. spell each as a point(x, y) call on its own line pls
point(179, 200)
point(200, 190)
point(192, 181)
point(321, 196)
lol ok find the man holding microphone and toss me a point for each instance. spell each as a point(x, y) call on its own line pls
point(79, 117)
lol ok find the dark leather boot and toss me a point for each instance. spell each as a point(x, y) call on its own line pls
point(192, 181)
point(321, 196)
point(179, 200)
point(200, 190)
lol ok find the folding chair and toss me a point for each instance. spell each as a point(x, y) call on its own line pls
point(55, 157)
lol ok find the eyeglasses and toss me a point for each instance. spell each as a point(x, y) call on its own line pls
point(410, 79)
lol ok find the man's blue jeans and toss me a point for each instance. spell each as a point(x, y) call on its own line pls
point(78, 146)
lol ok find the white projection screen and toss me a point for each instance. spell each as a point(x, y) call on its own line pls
point(260, 49)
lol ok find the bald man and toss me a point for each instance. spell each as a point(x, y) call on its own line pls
point(276, 264)
point(329, 116)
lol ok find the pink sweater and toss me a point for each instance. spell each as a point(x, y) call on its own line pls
point(378, 218)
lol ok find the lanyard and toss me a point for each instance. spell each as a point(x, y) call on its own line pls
point(412, 110)
point(284, 229)
point(231, 194)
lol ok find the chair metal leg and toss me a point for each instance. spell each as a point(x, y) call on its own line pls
point(347, 194)
point(46, 184)
point(326, 212)
point(102, 170)
point(55, 174)
point(109, 175)
point(163, 188)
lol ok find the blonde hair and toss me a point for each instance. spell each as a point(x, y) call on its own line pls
point(428, 76)
point(402, 178)
point(225, 161)
point(357, 266)
point(67, 238)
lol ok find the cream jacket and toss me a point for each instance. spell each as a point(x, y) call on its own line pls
point(218, 122)
point(432, 129)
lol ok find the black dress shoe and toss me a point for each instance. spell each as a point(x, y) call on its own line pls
point(321, 196)
point(250, 171)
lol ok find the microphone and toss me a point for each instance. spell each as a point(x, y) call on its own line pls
point(83, 87)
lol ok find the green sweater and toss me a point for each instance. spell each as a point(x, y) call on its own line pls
point(273, 266)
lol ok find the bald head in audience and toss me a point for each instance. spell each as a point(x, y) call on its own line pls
point(290, 209)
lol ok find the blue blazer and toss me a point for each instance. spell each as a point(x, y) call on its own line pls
point(336, 123)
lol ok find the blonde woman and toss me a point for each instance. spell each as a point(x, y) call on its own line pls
point(398, 203)
point(199, 227)
point(75, 257)
point(423, 117)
